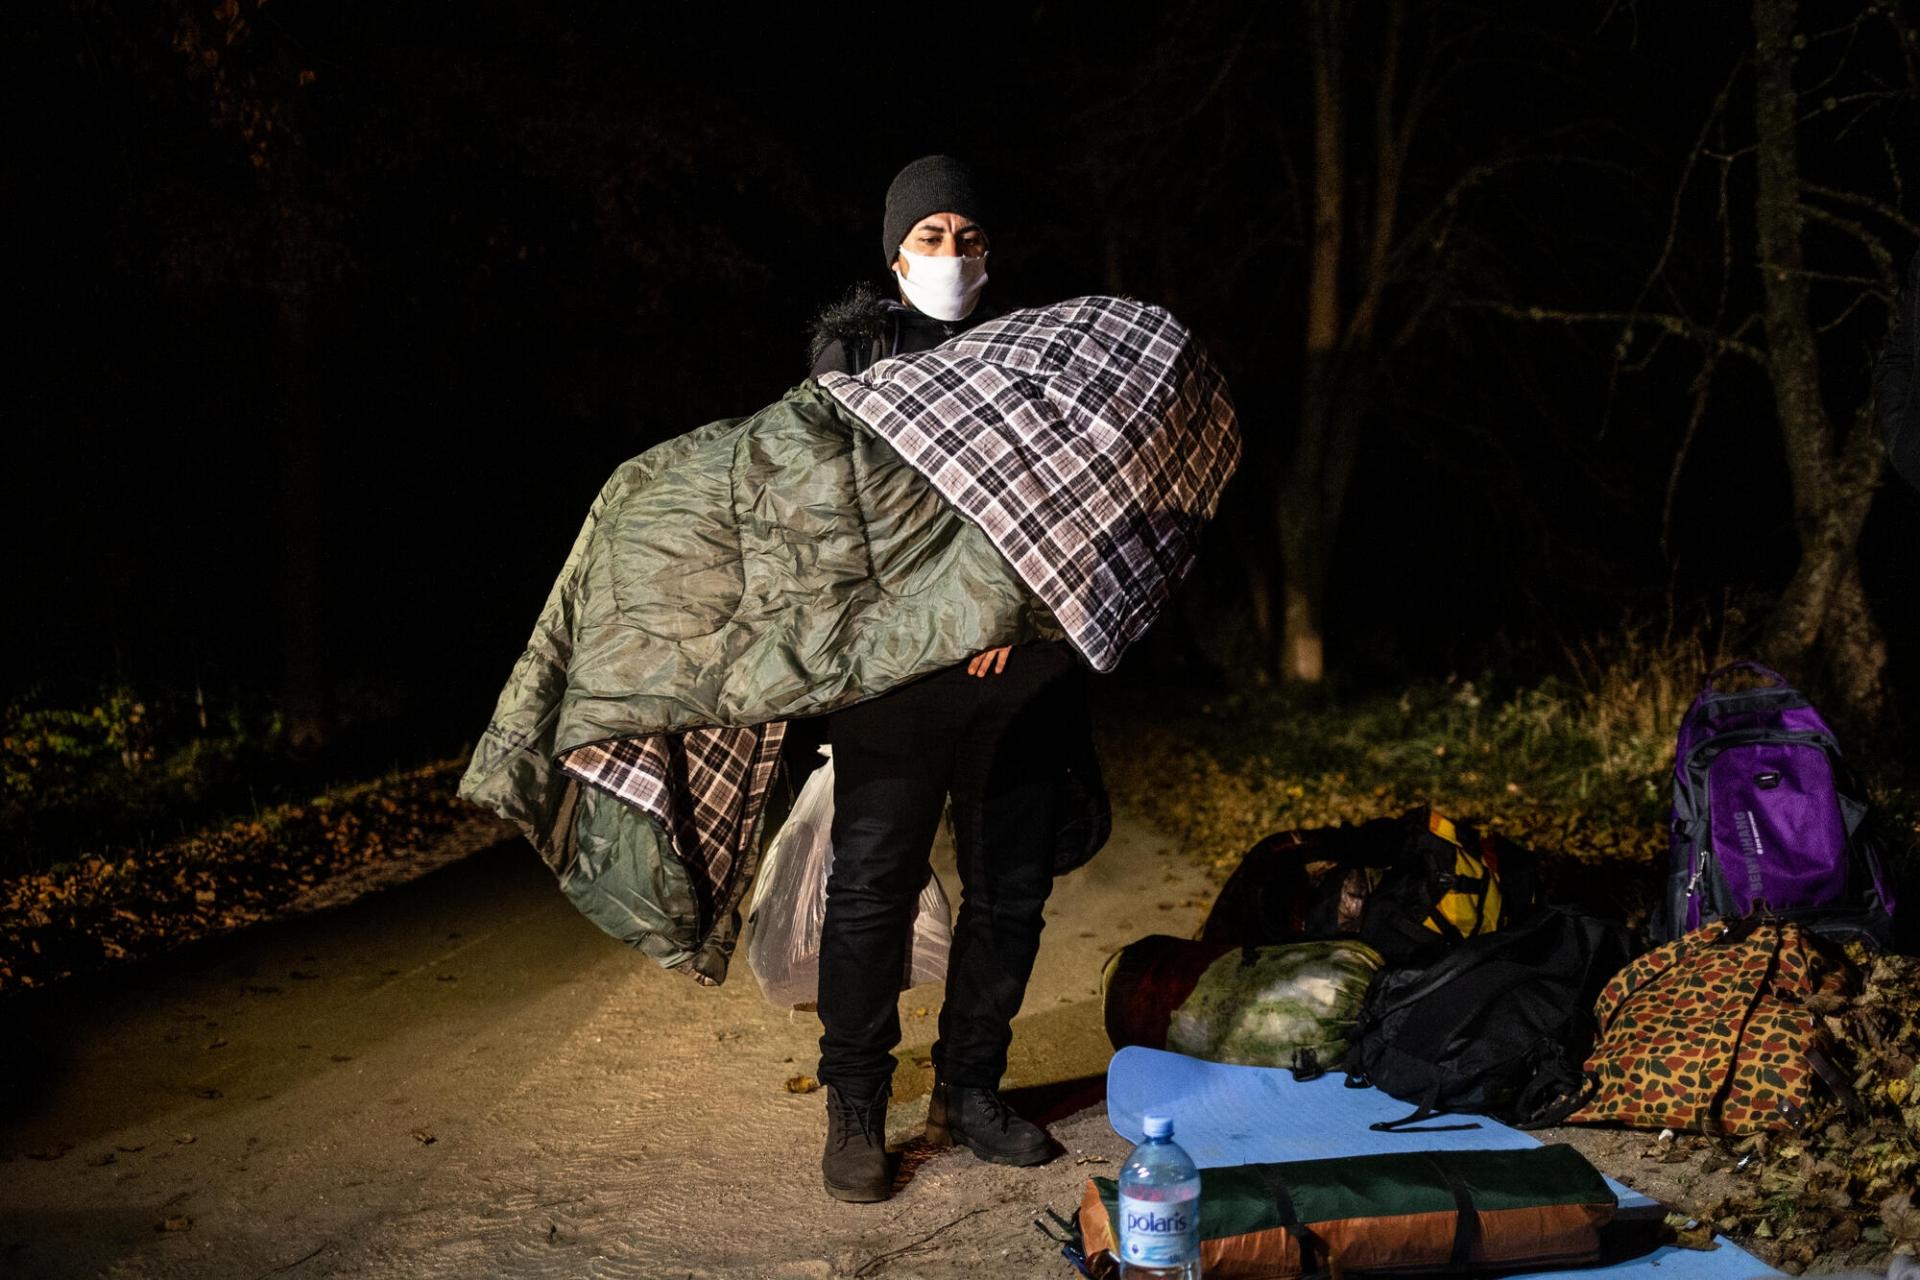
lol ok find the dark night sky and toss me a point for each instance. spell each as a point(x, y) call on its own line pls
point(538, 238)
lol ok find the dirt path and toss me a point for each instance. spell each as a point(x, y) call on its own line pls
point(462, 1077)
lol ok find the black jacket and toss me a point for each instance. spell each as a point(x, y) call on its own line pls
point(1895, 397)
point(860, 329)
point(866, 326)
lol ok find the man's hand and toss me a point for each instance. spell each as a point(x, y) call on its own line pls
point(990, 663)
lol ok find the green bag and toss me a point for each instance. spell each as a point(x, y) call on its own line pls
point(1416, 1211)
point(1284, 1006)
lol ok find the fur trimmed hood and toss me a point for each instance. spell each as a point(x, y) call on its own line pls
point(859, 316)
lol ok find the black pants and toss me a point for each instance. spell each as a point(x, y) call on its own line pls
point(994, 743)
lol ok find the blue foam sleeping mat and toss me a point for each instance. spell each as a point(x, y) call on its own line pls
point(1227, 1115)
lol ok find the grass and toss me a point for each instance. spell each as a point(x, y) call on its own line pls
point(1576, 766)
point(112, 768)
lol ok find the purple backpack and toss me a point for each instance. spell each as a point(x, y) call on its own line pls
point(1763, 824)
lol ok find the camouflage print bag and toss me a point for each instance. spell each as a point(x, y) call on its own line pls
point(1714, 1032)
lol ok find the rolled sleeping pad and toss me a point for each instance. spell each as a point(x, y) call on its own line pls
point(1431, 1212)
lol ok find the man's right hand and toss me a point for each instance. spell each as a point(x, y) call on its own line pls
point(990, 663)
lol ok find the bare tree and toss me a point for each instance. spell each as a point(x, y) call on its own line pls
point(253, 90)
point(1307, 507)
point(1381, 261)
point(1792, 320)
point(1834, 470)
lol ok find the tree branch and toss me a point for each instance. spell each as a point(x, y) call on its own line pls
point(1793, 360)
point(1891, 212)
point(1389, 158)
point(1697, 412)
point(1679, 326)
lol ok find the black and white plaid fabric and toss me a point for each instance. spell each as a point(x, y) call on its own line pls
point(1090, 440)
point(706, 788)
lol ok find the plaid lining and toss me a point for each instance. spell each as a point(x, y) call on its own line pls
point(1090, 440)
point(707, 789)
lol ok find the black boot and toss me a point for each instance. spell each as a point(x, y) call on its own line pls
point(980, 1120)
point(854, 1166)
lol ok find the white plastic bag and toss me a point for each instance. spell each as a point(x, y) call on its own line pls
point(789, 906)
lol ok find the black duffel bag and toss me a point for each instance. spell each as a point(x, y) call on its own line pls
point(1498, 1026)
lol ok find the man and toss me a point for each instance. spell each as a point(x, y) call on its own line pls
point(923, 232)
point(990, 733)
point(1893, 389)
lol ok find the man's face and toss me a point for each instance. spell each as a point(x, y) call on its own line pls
point(943, 235)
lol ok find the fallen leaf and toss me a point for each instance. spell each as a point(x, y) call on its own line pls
point(1899, 1217)
point(174, 1222)
point(1689, 1233)
point(802, 1084)
point(424, 1138)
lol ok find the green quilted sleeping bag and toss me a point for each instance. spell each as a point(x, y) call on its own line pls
point(1279, 1006)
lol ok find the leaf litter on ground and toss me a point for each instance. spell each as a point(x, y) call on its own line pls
point(120, 903)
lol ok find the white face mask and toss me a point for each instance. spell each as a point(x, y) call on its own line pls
point(944, 288)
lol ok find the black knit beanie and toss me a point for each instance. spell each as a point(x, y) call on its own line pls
point(931, 184)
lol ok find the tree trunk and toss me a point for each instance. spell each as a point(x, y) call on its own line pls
point(302, 430)
point(1833, 486)
point(1302, 512)
point(1854, 644)
point(1260, 599)
point(1304, 540)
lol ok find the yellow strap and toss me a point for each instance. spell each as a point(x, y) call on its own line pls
point(1469, 913)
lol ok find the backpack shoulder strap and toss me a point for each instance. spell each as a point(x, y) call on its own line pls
point(1420, 1115)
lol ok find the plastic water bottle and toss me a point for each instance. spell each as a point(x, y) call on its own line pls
point(1159, 1209)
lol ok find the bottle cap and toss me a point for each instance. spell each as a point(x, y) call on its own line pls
point(1157, 1126)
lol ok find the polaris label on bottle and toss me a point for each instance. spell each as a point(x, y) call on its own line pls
point(1159, 1233)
